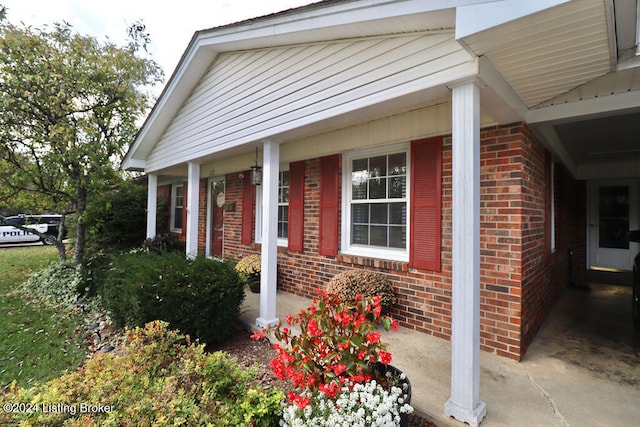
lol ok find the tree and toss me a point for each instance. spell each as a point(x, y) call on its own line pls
point(68, 111)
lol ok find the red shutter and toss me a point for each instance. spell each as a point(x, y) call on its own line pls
point(296, 207)
point(329, 179)
point(184, 210)
point(248, 196)
point(426, 207)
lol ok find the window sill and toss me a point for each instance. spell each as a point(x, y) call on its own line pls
point(385, 264)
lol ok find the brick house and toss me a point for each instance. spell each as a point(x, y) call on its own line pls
point(459, 147)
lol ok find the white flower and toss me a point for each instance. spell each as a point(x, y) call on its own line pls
point(363, 405)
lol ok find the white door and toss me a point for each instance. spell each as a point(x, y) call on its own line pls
point(613, 211)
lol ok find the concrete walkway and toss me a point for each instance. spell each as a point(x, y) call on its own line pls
point(568, 378)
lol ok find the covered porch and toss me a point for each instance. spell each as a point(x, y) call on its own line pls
point(575, 373)
point(562, 71)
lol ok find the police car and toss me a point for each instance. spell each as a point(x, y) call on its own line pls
point(46, 224)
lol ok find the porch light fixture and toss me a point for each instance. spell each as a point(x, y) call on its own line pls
point(256, 172)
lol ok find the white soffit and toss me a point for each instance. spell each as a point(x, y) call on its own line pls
point(617, 83)
point(548, 53)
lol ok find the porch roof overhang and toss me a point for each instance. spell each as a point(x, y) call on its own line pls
point(322, 21)
point(568, 68)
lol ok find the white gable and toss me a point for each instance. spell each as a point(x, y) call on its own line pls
point(249, 96)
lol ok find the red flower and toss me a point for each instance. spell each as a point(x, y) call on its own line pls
point(334, 343)
point(257, 335)
point(373, 337)
point(385, 357)
point(339, 368)
point(313, 328)
point(394, 325)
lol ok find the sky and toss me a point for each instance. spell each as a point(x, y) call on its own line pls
point(170, 24)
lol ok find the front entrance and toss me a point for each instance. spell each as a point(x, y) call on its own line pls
point(217, 198)
point(613, 211)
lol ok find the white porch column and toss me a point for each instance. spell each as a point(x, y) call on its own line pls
point(464, 403)
point(193, 190)
point(269, 257)
point(152, 204)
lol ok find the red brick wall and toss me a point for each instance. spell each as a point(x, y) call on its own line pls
point(517, 290)
point(502, 208)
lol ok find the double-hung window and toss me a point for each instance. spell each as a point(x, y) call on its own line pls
point(177, 202)
point(283, 209)
point(283, 204)
point(375, 215)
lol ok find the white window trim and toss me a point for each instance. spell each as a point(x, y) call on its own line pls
point(368, 251)
point(173, 206)
point(258, 231)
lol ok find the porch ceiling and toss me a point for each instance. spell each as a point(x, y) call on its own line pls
point(575, 70)
point(550, 52)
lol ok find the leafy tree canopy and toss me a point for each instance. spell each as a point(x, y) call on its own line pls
point(69, 106)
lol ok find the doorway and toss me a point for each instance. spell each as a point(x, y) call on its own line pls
point(217, 191)
point(613, 211)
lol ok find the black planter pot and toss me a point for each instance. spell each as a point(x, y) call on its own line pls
point(388, 376)
point(254, 284)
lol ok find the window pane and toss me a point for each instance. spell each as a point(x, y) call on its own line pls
point(284, 178)
point(179, 191)
point(398, 164)
point(379, 213)
point(283, 220)
point(397, 237)
point(177, 220)
point(378, 235)
point(398, 213)
point(360, 214)
point(378, 166)
point(378, 188)
point(360, 235)
point(397, 187)
point(283, 195)
point(359, 179)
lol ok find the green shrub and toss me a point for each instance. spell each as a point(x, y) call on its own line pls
point(348, 284)
point(164, 243)
point(57, 285)
point(116, 218)
point(160, 379)
point(200, 297)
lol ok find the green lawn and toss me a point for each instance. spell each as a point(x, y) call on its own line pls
point(36, 343)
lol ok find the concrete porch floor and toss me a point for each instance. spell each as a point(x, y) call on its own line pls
point(583, 369)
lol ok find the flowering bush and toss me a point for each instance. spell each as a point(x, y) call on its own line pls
point(249, 266)
point(348, 284)
point(160, 378)
point(338, 344)
point(356, 405)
